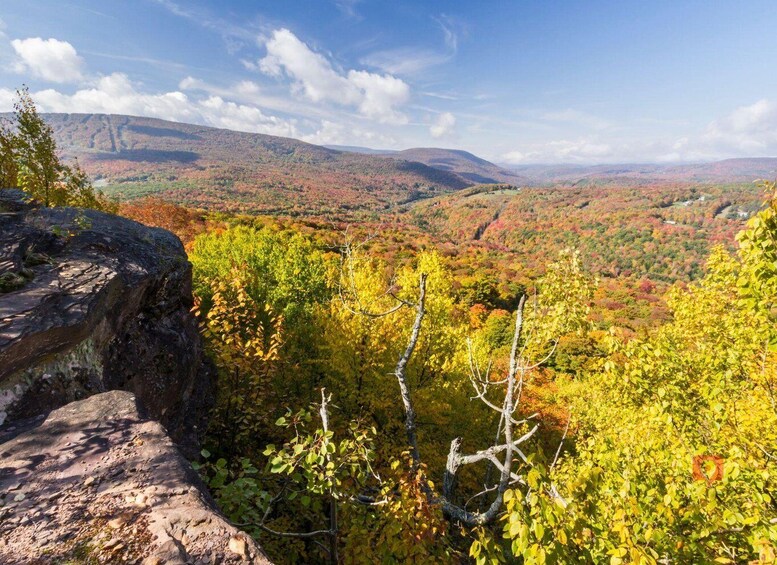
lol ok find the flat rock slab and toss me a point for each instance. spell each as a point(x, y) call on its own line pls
point(97, 482)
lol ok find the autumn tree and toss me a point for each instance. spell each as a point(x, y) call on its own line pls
point(674, 451)
point(9, 168)
point(30, 160)
point(40, 168)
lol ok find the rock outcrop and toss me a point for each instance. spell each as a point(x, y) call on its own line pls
point(96, 482)
point(103, 391)
point(91, 302)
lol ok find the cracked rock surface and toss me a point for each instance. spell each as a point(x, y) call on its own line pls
point(97, 482)
point(91, 302)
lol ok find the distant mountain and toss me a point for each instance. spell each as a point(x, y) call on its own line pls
point(617, 227)
point(728, 170)
point(357, 149)
point(229, 170)
point(746, 169)
point(247, 172)
point(463, 163)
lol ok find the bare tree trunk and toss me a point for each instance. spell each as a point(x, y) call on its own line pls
point(400, 373)
point(333, 527)
point(514, 383)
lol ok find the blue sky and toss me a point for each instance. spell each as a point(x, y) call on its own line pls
point(523, 81)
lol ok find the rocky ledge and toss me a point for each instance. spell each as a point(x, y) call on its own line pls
point(104, 389)
point(91, 302)
point(96, 482)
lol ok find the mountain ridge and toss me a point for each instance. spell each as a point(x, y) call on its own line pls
point(737, 169)
point(234, 171)
point(465, 164)
point(237, 171)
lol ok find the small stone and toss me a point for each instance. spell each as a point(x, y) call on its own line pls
point(152, 560)
point(237, 545)
point(117, 523)
point(112, 543)
point(141, 499)
point(89, 481)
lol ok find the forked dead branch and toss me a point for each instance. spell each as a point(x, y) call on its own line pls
point(506, 448)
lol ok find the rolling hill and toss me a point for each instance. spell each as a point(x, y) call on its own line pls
point(663, 231)
point(463, 163)
point(725, 171)
point(228, 170)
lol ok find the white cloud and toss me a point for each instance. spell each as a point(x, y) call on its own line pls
point(379, 95)
point(405, 60)
point(218, 112)
point(251, 93)
point(333, 133)
point(748, 130)
point(450, 29)
point(313, 77)
point(583, 150)
point(50, 59)
point(443, 126)
point(117, 94)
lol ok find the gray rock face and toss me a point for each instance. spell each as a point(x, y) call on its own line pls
point(97, 482)
point(90, 302)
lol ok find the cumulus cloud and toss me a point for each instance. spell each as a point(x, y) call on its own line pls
point(313, 77)
point(748, 130)
point(117, 94)
point(50, 59)
point(443, 126)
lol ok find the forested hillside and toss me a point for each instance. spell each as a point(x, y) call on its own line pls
point(233, 171)
point(437, 421)
point(463, 163)
point(660, 231)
